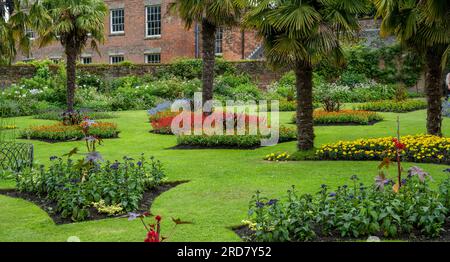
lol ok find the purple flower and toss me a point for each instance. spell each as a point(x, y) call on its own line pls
point(88, 122)
point(115, 166)
point(139, 163)
point(90, 139)
point(417, 171)
point(381, 181)
point(447, 170)
point(259, 204)
point(272, 202)
point(75, 181)
point(332, 194)
point(52, 158)
point(93, 157)
point(388, 182)
point(160, 108)
point(133, 216)
point(354, 178)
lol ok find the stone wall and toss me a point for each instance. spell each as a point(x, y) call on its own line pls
point(12, 74)
point(257, 69)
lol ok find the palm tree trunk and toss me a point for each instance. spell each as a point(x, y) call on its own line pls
point(209, 58)
point(434, 92)
point(71, 56)
point(305, 109)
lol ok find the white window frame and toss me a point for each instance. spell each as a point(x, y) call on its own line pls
point(147, 61)
point(218, 43)
point(111, 27)
point(86, 57)
point(55, 60)
point(147, 7)
point(111, 57)
point(30, 34)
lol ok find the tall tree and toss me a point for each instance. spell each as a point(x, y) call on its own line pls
point(423, 25)
point(299, 34)
point(74, 23)
point(212, 14)
point(14, 22)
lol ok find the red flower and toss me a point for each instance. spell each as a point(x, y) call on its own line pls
point(158, 218)
point(152, 237)
point(398, 145)
point(146, 214)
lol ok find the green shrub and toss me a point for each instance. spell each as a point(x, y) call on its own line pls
point(236, 87)
point(118, 183)
point(233, 141)
point(347, 117)
point(192, 69)
point(90, 98)
point(57, 115)
point(360, 93)
point(352, 79)
point(394, 106)
point(87, 80)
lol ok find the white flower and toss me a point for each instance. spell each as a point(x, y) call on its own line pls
point(373, 239)
point(73, 239)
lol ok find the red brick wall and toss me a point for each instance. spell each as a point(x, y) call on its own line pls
point(232, 44)
point(175, 41)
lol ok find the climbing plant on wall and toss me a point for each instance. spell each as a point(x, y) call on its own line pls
point(388, 64)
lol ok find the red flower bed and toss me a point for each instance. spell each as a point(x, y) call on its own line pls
point(162, 122)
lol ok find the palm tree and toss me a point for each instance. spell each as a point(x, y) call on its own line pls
point(73, 23)
point(423, 25)
point(299, 34)
point(13, 24)
point(212, 14)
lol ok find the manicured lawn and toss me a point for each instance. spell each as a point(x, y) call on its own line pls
point(221, 181)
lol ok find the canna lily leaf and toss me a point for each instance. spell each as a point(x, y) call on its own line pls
point(72, 152)
point(180, 222)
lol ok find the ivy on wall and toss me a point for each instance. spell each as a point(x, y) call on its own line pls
point(387, 65)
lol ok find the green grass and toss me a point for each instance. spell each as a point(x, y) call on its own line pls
point(221, 181)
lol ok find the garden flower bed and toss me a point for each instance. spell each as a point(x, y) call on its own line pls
point(419, 149)
point(354, 211)
point(70, 191)
point(60, 132)
point(231, 141)
point(161, 122)
point(394, 106)
point(8, 127)
point(344, 117)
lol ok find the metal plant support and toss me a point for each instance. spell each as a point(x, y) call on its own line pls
point(16, 156)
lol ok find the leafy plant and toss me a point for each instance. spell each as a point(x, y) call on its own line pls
point(154, 234)
point(74, 188)
point(352, 211)
point(394, 106)
point(233, 141)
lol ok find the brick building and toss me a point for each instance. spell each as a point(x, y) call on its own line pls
point(142, 31)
